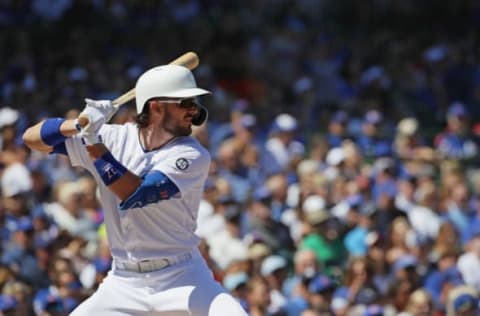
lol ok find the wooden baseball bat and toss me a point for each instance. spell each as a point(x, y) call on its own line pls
point(189, 60)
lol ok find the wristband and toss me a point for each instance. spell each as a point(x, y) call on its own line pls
point(50, 131)
point(109, 169)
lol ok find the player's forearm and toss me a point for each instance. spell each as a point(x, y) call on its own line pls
point(125, 184)
point(36, 136)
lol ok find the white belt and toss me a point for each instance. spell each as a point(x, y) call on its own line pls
point(149, 265)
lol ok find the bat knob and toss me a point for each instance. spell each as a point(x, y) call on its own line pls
point(83, 120)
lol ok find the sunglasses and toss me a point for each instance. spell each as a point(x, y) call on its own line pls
point(183, 104)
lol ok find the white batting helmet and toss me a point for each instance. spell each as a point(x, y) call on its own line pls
point(170, 81)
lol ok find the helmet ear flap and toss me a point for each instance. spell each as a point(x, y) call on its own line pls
point(200, 117)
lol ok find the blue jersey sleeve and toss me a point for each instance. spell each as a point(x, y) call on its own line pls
point(155, 186)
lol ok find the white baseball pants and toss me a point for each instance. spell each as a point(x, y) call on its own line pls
point(185, 288)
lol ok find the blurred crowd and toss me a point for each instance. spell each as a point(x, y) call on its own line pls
point(345, 138)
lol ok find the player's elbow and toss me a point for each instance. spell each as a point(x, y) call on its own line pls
point(32, 139)
point(29, 137)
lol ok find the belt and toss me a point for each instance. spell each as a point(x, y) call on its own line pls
point(150, 265)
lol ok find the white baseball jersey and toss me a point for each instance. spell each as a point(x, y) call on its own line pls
point(161, 230)
point(158, 230)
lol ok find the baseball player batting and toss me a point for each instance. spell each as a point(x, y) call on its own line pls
point(151, 176)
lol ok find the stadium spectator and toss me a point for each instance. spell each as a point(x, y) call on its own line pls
point(371, 141)
point(457, 141)
point(282, 149)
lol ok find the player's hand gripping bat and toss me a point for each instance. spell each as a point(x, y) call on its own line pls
point(189, 60)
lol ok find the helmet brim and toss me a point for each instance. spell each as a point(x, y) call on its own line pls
point(186, 93)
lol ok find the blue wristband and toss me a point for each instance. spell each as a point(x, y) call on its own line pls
point(50, 131)
point(109, 169)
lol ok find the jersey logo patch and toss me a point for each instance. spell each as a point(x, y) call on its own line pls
point(182, 163)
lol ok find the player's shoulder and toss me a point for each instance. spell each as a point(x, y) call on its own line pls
point(189, 144)
point(119, 129)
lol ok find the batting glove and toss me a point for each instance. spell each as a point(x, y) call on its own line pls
point(89, 135)
point(104, 106)
point(98, 112)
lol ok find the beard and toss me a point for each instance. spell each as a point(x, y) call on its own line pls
point(176, 129)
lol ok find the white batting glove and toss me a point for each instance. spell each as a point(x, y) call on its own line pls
point(89, 134)
point(105, 107)
point(95, 116)
point(98, 113)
